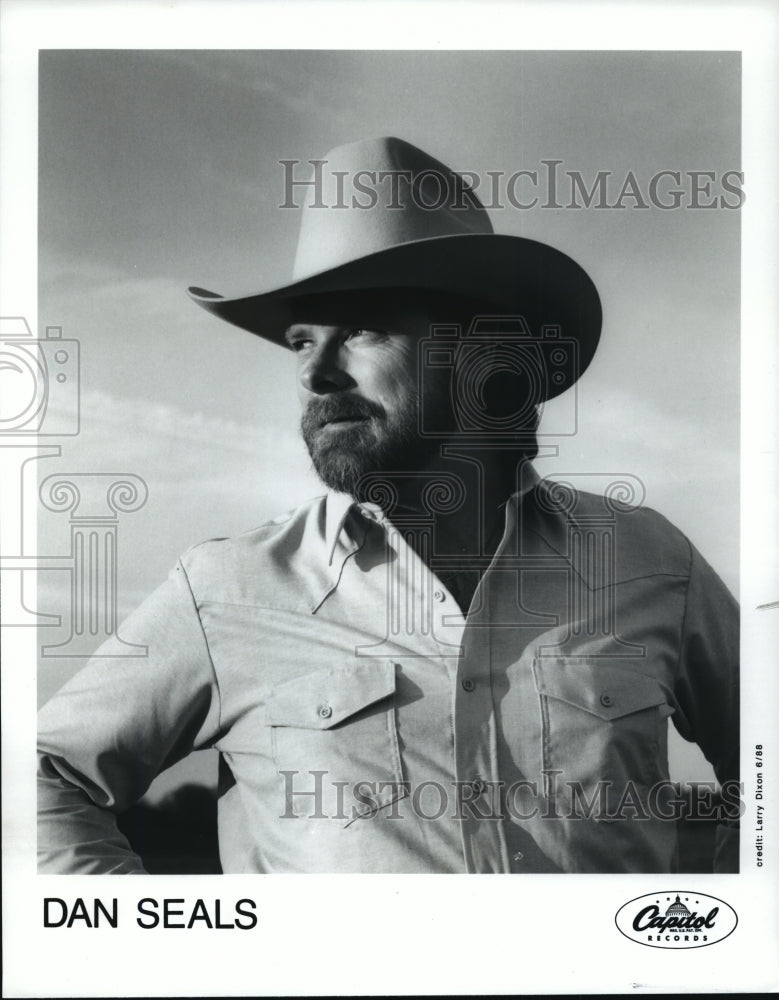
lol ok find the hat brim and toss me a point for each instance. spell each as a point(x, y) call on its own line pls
point(517, 276)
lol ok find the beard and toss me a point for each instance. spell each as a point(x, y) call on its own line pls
point(350, 438)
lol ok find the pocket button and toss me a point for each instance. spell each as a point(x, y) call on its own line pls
point(325, 711)
point(606, 700)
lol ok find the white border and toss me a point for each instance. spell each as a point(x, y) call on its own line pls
point(380, 934)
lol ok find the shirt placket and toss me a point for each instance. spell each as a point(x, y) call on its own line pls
point(475, 737)
point(478, 780)
point(476, 764)
point(476, 790)
point(424, 616)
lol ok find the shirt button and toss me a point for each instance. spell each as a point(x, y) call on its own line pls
point(468, 685)
point(325, 711)
point(439, 595)
point(478, 785)
point(606, 700)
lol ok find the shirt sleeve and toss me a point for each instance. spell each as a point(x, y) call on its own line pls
point(708, 688)
point(120, 721)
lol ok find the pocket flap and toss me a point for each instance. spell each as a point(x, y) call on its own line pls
point(605, 689)
point(324, 699)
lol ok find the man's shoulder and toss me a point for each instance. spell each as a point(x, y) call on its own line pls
point(643, 541)
point(253, 566)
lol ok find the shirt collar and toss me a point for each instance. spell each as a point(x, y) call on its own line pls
point(340, 505)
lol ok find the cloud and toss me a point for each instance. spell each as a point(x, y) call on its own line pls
point(290, 84)
point(181, 446)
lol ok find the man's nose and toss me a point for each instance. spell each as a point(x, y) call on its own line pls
point(323, 370)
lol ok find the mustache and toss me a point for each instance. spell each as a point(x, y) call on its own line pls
point(321, 411)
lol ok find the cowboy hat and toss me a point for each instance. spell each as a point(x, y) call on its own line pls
point(428, 234)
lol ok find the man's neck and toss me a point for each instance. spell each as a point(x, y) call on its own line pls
point(463, 489)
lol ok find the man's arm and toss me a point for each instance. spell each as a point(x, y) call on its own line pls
point(119, 722)
point(707, 687)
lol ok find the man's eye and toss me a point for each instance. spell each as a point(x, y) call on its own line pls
point(298, 343)
point(363, 332)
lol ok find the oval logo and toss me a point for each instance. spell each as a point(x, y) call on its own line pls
point(678, 919)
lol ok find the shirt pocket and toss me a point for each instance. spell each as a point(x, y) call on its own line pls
point(334, 734)
point(601, 721)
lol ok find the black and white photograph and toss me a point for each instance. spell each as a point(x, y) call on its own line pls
point(384, 496)
point(445, 661)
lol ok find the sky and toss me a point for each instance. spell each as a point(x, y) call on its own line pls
point(160, 169)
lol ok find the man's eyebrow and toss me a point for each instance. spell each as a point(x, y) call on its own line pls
point(294, 331)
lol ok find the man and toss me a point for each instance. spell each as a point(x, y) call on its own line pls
point(443, 665)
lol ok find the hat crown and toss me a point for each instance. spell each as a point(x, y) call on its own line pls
point(371, 195)
point(382, 215)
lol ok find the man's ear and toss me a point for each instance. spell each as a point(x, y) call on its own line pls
point(498, 382)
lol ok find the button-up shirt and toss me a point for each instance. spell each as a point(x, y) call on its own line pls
point(364, 723)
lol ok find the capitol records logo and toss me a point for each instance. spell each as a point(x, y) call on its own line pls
point(676, 920)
